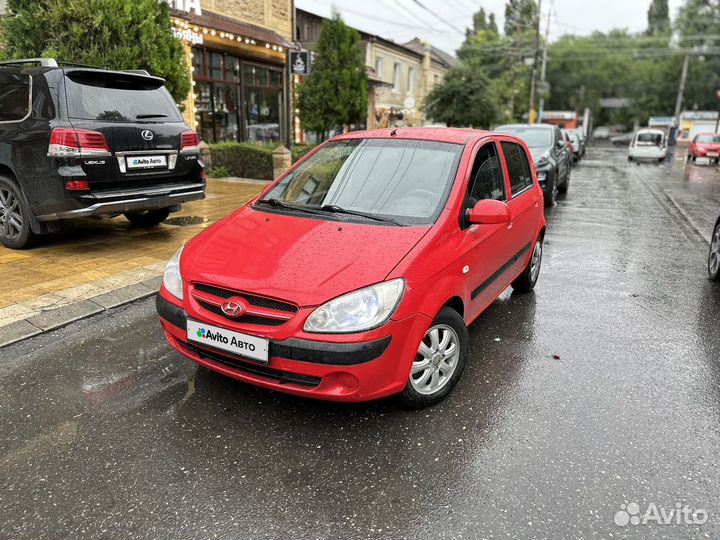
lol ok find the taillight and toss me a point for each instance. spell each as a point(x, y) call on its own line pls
point(77, 185)
point(68, 142)
point(189, 142)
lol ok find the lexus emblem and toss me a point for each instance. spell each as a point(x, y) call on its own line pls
point(147, 135)
point(234, 307)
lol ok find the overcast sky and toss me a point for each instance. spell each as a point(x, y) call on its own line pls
point(401, 20)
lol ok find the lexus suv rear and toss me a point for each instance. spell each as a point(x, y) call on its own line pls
point(79, 142)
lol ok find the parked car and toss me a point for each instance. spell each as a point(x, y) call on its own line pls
point(714, 255)
point(551, 155)
point(577, 143)
point(705, 145)
point(623, 139)
point(648, 144)
point(77, 142)
point(572, 146)
point(354, 276)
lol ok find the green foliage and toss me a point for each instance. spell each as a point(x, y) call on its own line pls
point(299, 150)
point(113, 33)
point(659, 18)
point(464, 98)
point(520, 16)
point(336, 92)
point(219, 172)
point(243, 160)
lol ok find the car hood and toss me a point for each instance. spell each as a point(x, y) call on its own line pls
point(539, 151)
point(708, 147)
point(299, 259)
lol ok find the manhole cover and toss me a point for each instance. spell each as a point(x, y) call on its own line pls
point(184, 221)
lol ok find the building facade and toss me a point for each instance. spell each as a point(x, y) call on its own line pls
point(400, 76)
point(237, 52)
point(3, 6)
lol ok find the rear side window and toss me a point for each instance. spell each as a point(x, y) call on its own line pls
point(486, 181)
point(14, 97)
point(114, 97)
point(518, 167)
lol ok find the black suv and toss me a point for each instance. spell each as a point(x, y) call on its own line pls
point(551, 155)
point(78, 141)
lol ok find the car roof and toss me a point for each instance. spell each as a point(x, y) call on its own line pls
point(651, 130)
point(526, 126)
point(438, 134)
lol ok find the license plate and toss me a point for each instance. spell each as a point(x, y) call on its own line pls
point(146, 162)
point(713, 154)
point(702, 161)
point(236, 343)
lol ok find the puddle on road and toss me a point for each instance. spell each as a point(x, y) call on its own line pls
point(184, 221)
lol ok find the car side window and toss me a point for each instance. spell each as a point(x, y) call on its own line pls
point(14, 97)
point(518, 167)
point(486, 180)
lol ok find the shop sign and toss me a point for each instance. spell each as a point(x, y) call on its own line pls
point(185, 34)
point(186, 6)
point(300, 62)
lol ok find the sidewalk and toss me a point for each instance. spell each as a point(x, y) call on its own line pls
point(94, 265)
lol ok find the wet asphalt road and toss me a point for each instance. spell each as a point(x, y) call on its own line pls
point(107, 433)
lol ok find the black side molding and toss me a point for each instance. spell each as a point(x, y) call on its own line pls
point(171, 313)
point(500, 271)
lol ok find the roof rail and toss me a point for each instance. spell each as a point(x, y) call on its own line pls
point(137, 71)
point(44, 62)
point(75, 64)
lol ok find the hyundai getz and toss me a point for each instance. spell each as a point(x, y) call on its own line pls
point(354, 276)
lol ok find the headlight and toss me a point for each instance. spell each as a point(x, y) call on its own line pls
point(357, 311)
point(172, 280)
point(544, 160)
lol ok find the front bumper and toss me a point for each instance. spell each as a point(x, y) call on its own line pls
point(119, 201)
point(374, 366)
point(546, 179)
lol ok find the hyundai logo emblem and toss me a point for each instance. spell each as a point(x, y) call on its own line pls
point(147, 135)
point(234, 307)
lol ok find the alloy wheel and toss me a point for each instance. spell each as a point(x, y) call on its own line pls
point(436, 360)
point(11, 220)
point(714, 258)
point(535, 261)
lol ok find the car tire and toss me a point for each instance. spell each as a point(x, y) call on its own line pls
point(526, 281)
point(550, 201)
point(149, 218)
point(436, 369)
point(565, 186)
point(15, 229)
point(714, 255)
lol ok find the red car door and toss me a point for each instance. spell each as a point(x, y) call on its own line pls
point(525, 203)
point(486, 246)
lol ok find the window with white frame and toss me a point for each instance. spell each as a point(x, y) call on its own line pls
point(378, 66)
point(397, 75)
point(411, 81)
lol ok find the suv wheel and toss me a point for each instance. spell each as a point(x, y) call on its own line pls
point(564, 188)
point(15, 230)
point(439, 362)
point(526, 281)
point(714, 255)
point(552, 197)
point(148, 218)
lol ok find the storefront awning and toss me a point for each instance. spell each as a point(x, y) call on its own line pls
point(231, 26)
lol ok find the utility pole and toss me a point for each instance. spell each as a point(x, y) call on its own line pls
point(681, 90)
point(533, 82)
point(543, 70)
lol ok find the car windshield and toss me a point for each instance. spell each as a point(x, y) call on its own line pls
point(404, 181)
point(533, 137)
point(708, 139)
point(649, 138)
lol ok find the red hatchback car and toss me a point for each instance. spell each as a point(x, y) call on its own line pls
point(354, 276)
point(706, 145)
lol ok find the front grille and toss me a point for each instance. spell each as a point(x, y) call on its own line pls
point(283, 377)
point(246, 319)
point(257, 301)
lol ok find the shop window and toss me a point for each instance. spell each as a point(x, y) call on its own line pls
point(232, 69)
point(216, 71)
point(262, 115)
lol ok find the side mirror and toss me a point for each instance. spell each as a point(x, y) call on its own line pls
point(489, 211)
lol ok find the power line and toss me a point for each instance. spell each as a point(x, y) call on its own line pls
point(438, 17)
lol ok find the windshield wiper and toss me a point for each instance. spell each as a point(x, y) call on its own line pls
point(279, 204)
point(144, 116)
point(340, 210)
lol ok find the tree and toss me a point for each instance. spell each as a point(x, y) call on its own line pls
point(464, 98)
point(520, 16)
point(113, 33)
point(482, 22)
point(335, 93)
point(658, 18)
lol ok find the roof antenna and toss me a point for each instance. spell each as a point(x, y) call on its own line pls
point(393, 132)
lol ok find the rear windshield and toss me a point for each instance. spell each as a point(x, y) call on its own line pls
point(533, 137)
point(708, 139)
point(118, 98)
point(649, 138)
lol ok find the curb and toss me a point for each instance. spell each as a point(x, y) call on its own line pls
point(57, 318)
